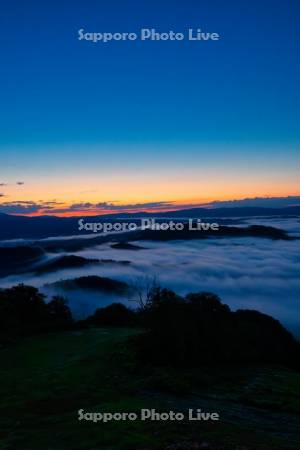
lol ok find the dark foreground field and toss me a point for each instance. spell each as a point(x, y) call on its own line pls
point(45, 380)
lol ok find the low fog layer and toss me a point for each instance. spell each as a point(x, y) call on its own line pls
point(246, 272)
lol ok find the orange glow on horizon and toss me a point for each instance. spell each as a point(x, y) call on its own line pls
point(61, 210)
point(57, 196)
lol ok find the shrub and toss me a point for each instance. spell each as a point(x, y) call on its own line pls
point(115, 314)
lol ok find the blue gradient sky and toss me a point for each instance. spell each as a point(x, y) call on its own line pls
point(146, 121)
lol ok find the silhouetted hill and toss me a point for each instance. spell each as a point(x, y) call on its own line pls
point(125, 241)
point(73, 262)
point(16, 259)
point(126, 246)
point(94, 283)
point(65, 262)
point(241, 211)
point(15, 227)
point(21, 227)
point(259, 231)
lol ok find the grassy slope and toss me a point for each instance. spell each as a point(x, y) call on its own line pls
point(45, 380)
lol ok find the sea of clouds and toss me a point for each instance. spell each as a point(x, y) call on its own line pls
point(250, 273)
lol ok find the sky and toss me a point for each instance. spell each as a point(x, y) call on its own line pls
point(152, 125)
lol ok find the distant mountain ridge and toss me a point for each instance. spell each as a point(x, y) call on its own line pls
point(23, 227)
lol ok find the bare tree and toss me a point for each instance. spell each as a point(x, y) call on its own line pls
point(143, 288)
